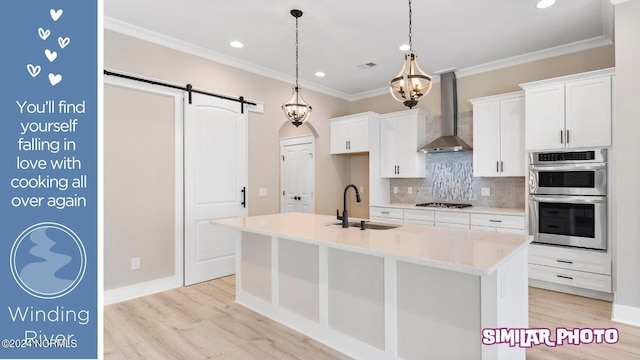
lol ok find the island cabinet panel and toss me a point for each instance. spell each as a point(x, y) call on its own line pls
point(433, 324)
point(410, 292)
point(256, 265)
point(356, 296)
point(298, 268)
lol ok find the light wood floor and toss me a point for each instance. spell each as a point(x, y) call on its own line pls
point(202, 321)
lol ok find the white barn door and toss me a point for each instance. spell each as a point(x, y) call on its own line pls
point(215, 180)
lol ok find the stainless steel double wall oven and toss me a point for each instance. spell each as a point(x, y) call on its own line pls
point(568, 198)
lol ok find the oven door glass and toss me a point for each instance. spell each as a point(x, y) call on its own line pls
point(567, 219)
point(579, 221)
point(568, 179)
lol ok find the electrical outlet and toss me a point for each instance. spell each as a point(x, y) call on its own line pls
point(262, 192)
point(486, 191)
point(409, 190)
point(395, 189)
point(361, 188)
point(135, 263)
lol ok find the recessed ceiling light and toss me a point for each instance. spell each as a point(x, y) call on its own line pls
point(236, 44)
point(320, 74)
point(543, 4)
point(404, 47)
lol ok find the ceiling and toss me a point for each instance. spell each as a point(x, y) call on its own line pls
point(338, 37)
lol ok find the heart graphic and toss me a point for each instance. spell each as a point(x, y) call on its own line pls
point(63, 42)
point(54, 79)
point(44, 34)
point(51, 55)
point(33, 70)
point(55, 14)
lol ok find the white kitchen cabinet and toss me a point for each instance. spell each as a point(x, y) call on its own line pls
point(569, 112)
point(513, 224)
point(582, 268)
point(386, 215)
point(350, 134)
point(498, 135)
point(401, 134)
point(419, 217)
point(450, 219)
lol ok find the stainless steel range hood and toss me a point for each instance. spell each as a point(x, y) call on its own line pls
point(449, 105)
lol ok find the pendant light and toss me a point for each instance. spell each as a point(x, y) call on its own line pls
point(411, 84)
point(296, 109)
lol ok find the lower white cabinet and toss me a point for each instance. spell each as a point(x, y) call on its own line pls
point(419, 217)
point(387, 215)
point(513, 224)
point(583, 268)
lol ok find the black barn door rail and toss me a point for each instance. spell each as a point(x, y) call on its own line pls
point(188, 88)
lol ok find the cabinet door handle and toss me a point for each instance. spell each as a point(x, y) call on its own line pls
point(567, 136)
point(497, 166)
point(565, 277)
point(501, 166)
point(561, 142)
point(244, 196)
point(398, 169)
point(564, 261)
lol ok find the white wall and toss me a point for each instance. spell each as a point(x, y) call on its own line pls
point(626, 140)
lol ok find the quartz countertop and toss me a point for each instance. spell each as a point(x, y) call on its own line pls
point(471, 209)
point(466, 251)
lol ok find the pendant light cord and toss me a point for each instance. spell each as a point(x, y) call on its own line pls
point(297, 53)
point(410, 45)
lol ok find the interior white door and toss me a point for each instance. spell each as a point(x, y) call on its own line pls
point(215, 180)
point(297, 174)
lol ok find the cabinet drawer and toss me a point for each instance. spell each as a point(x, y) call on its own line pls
point(452, 225)
point(387, 220)
point(419, 215)
point(580, 279)
point(419, 222)
point(385, 212)
point(571, 259)
point(499, 221)
point(452, 217)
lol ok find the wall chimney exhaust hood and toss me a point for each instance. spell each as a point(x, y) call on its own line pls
point(449, 106)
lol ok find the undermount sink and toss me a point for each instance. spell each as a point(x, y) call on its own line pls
point(367, 224)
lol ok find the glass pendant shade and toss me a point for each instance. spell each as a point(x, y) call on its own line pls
point(411, 84)
point(296, 109)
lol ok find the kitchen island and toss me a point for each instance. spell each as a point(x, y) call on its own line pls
point(408, 292)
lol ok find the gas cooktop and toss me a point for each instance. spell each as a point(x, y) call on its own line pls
point(444, 205)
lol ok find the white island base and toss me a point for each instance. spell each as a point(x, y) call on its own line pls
point(404, 293)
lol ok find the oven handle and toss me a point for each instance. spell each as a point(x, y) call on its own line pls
point(568, 167)
point(564, 199)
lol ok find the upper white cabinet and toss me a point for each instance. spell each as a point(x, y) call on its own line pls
point(350, 134)
point(401, 134)
point(498, 135)
point(569, 112)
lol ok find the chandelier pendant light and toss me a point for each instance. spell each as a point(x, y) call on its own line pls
point(296, 109)
point(411, 84)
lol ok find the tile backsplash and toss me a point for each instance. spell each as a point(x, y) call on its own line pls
point(450, 178)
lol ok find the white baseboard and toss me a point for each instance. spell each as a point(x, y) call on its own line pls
point(146, 288)
point(626, 314)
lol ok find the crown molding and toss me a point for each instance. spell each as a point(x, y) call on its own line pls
point(189, 48)
point(512, 61)
point(183, 46)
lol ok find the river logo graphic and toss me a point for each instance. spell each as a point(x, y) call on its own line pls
point(48, 260)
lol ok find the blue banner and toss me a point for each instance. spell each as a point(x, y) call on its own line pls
point(48, 181)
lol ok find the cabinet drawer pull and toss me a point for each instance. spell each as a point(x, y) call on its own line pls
point(565, 277)
point(495, 221)
point(384, 212)
point(564, 261)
